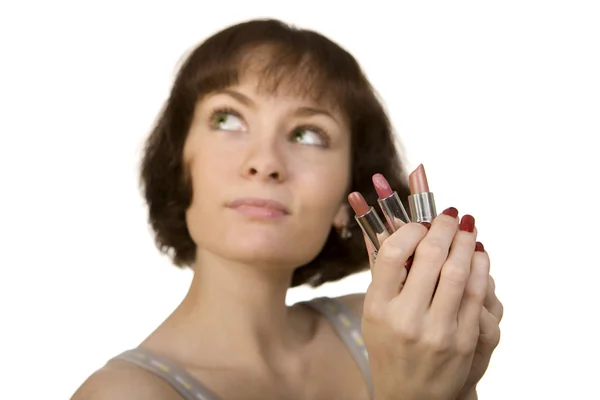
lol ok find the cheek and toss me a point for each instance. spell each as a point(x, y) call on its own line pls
point(324, 189)
point(209, 167)
point(208, 170)
point(321, 192)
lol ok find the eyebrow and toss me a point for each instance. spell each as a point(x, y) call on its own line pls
point(310, 111)
point(300, 112)
point(238, 96)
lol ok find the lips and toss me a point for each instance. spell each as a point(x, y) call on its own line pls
point(259, 206)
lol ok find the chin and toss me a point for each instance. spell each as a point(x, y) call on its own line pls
point(262, 245)
point(284, 248)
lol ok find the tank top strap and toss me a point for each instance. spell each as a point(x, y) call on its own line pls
point(187, 386)
point(348, 327)
point(346, 324)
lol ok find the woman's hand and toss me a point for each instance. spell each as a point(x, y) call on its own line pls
point(489, 337)
point(421, 331)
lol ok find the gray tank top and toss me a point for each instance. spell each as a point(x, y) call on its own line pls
point(344, 321)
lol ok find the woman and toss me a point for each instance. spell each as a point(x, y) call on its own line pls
point(246, 174)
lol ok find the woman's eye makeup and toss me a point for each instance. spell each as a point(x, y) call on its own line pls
point(230, 120)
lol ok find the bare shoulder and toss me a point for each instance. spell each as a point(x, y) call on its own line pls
point(354, 302)
point(119, 380)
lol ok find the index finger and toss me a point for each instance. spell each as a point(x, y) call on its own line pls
point(389, 272)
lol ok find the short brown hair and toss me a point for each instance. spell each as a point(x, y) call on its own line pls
point(326, 72)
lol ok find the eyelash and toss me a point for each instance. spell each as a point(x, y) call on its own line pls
point(319, 131)
point(220, 111)
point(225, 110)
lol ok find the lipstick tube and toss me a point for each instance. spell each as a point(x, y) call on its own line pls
point(368, 220)
point(394, 211)
point(373, 227)
point(422, 207)
point(421, 202)
point(390, 203)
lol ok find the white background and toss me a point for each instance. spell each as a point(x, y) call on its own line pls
point(499, 100)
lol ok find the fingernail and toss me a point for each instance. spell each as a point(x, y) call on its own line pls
point(451, 211)
point(479, 247)
point(426, 224)
point(408, 263)
point(467, 223)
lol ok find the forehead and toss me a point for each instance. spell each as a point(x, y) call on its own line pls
point(251, 92)
point(255, 86)
point(270, 71)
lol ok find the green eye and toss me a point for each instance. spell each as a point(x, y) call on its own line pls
point(310, 136)
point(222, 118)
point(227, 120)
point(297, 135)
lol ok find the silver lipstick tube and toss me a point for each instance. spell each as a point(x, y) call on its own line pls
point(394, 211)
point(422, 207)
point(373, 227)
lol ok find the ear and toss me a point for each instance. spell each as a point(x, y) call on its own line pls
point(342, 218)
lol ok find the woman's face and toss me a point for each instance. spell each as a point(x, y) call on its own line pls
point(270, 174)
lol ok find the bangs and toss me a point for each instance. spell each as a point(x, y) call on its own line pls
point(287, 71)
point(300, 70)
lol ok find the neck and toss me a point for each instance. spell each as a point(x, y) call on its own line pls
point(237, 310)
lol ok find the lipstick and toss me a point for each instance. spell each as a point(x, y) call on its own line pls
point(421, 202)
point(368, 220)
point(390, 203)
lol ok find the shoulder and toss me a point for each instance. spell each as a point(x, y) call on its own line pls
point(118, 380)
point(353, 301)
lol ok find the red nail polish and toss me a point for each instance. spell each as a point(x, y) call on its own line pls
point(426, 224)
point(451, 211)
point(467, 223)
point(408, 263)
point(479, 247)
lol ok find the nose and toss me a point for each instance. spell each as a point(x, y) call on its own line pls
point(264, 161)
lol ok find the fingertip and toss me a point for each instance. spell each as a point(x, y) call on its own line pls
point(451, 212)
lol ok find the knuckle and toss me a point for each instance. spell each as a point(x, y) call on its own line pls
point(432, 248)
point(373, 313)
point(466, 347)
point(440, 341)
point(455, 274)
point(475, 292)
point(391, 252)
point(491, 283)
point(405, 331)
